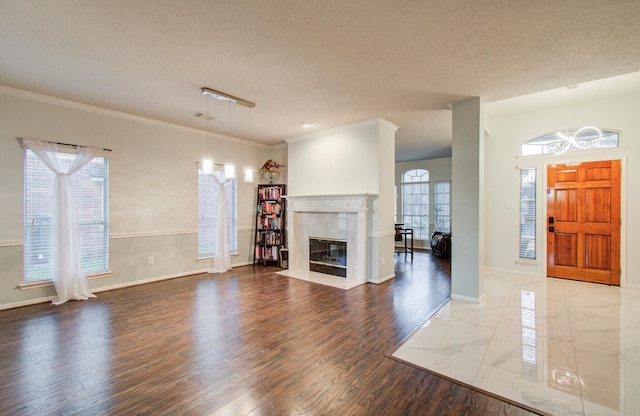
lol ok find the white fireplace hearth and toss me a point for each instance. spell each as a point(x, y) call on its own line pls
point(337, 217)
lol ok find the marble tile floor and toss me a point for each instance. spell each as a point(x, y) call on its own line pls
point(555, 346)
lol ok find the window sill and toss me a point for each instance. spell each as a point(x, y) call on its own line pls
point(45, 283)
point(528, 262)
point(203, 259)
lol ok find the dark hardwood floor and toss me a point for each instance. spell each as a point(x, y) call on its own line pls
point(246, 342)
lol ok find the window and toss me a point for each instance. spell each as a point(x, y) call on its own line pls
point(208, 212)
point(528, 214)
point(91, 193)
point(443, 207)
point(415, 202)
point(570, 140)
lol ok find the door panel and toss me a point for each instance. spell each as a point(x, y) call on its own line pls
point(598, 208)
point(566, 175)
point(566, 205)
point(583, 228)
point(568, 256)
point(598, 256)
point(597, 174)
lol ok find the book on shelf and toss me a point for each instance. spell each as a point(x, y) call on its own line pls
point(271, 193)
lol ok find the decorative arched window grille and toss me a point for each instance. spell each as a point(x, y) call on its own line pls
point(571, 140)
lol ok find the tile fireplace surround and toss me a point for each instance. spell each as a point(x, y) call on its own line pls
point(339, 217)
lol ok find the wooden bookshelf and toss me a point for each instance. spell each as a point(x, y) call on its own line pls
point(270, 224)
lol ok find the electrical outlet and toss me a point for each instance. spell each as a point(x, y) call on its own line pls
point(151, 260)
point(383, 260)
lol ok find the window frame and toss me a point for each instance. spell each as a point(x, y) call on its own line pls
point(415, 214)
point(437, 205)
point(38, 178)
point(550, 143)
point(231, 192)
point(528, 215)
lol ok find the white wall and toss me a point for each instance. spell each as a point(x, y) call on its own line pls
point(338, 161)
point(153, 188)
point(508, 132)
point(439, 171)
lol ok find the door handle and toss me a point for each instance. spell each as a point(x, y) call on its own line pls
point(551, 220)
point(552, 229)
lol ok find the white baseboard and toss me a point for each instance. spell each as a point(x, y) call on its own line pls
point(145, 281)
point(509, 271)
point(468, 299)
point(384, 279)
point(27, 302)
point(112, 287)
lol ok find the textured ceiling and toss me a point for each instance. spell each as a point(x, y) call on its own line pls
point(330, 62)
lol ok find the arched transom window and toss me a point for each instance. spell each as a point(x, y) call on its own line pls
point(571, 140)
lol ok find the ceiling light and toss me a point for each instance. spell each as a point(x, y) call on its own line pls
point(226, 97)
point(306, 125)
point(207, 166)
point(207, 162)
point(578, 138)
point(229, 171)
point(583, 138)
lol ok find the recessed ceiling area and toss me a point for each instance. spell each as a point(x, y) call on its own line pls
point(330, 63)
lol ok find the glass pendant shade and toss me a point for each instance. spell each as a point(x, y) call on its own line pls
point(229, 171)
point(248, 175)
point(207, 166)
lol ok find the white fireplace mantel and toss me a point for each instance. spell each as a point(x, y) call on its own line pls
point(342, 216)
point(329, 203)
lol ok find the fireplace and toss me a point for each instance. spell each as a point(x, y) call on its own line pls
point(328, 256)
point(342, 218)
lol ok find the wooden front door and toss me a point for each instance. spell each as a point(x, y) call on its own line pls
point(583, 221)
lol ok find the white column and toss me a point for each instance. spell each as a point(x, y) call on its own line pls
point(467, 201)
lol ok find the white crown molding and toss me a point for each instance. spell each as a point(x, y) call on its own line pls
point(358, 125)
point(48, 99)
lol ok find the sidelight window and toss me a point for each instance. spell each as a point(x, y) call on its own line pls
point(528, 183)
point(443, 207)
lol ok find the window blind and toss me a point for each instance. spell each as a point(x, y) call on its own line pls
point(528, 183)
point(208, 197)
point(443, 207)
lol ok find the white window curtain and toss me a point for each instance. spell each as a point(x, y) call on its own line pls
point(222, 256)
point(69, 280)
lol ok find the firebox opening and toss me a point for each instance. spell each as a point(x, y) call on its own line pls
point(328, 256)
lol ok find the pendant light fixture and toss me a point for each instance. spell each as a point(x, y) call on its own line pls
point(578, 138)
point(248, 171)
point(226, 97)
point(229, 167)
point(207, 162)
point(248, 175)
